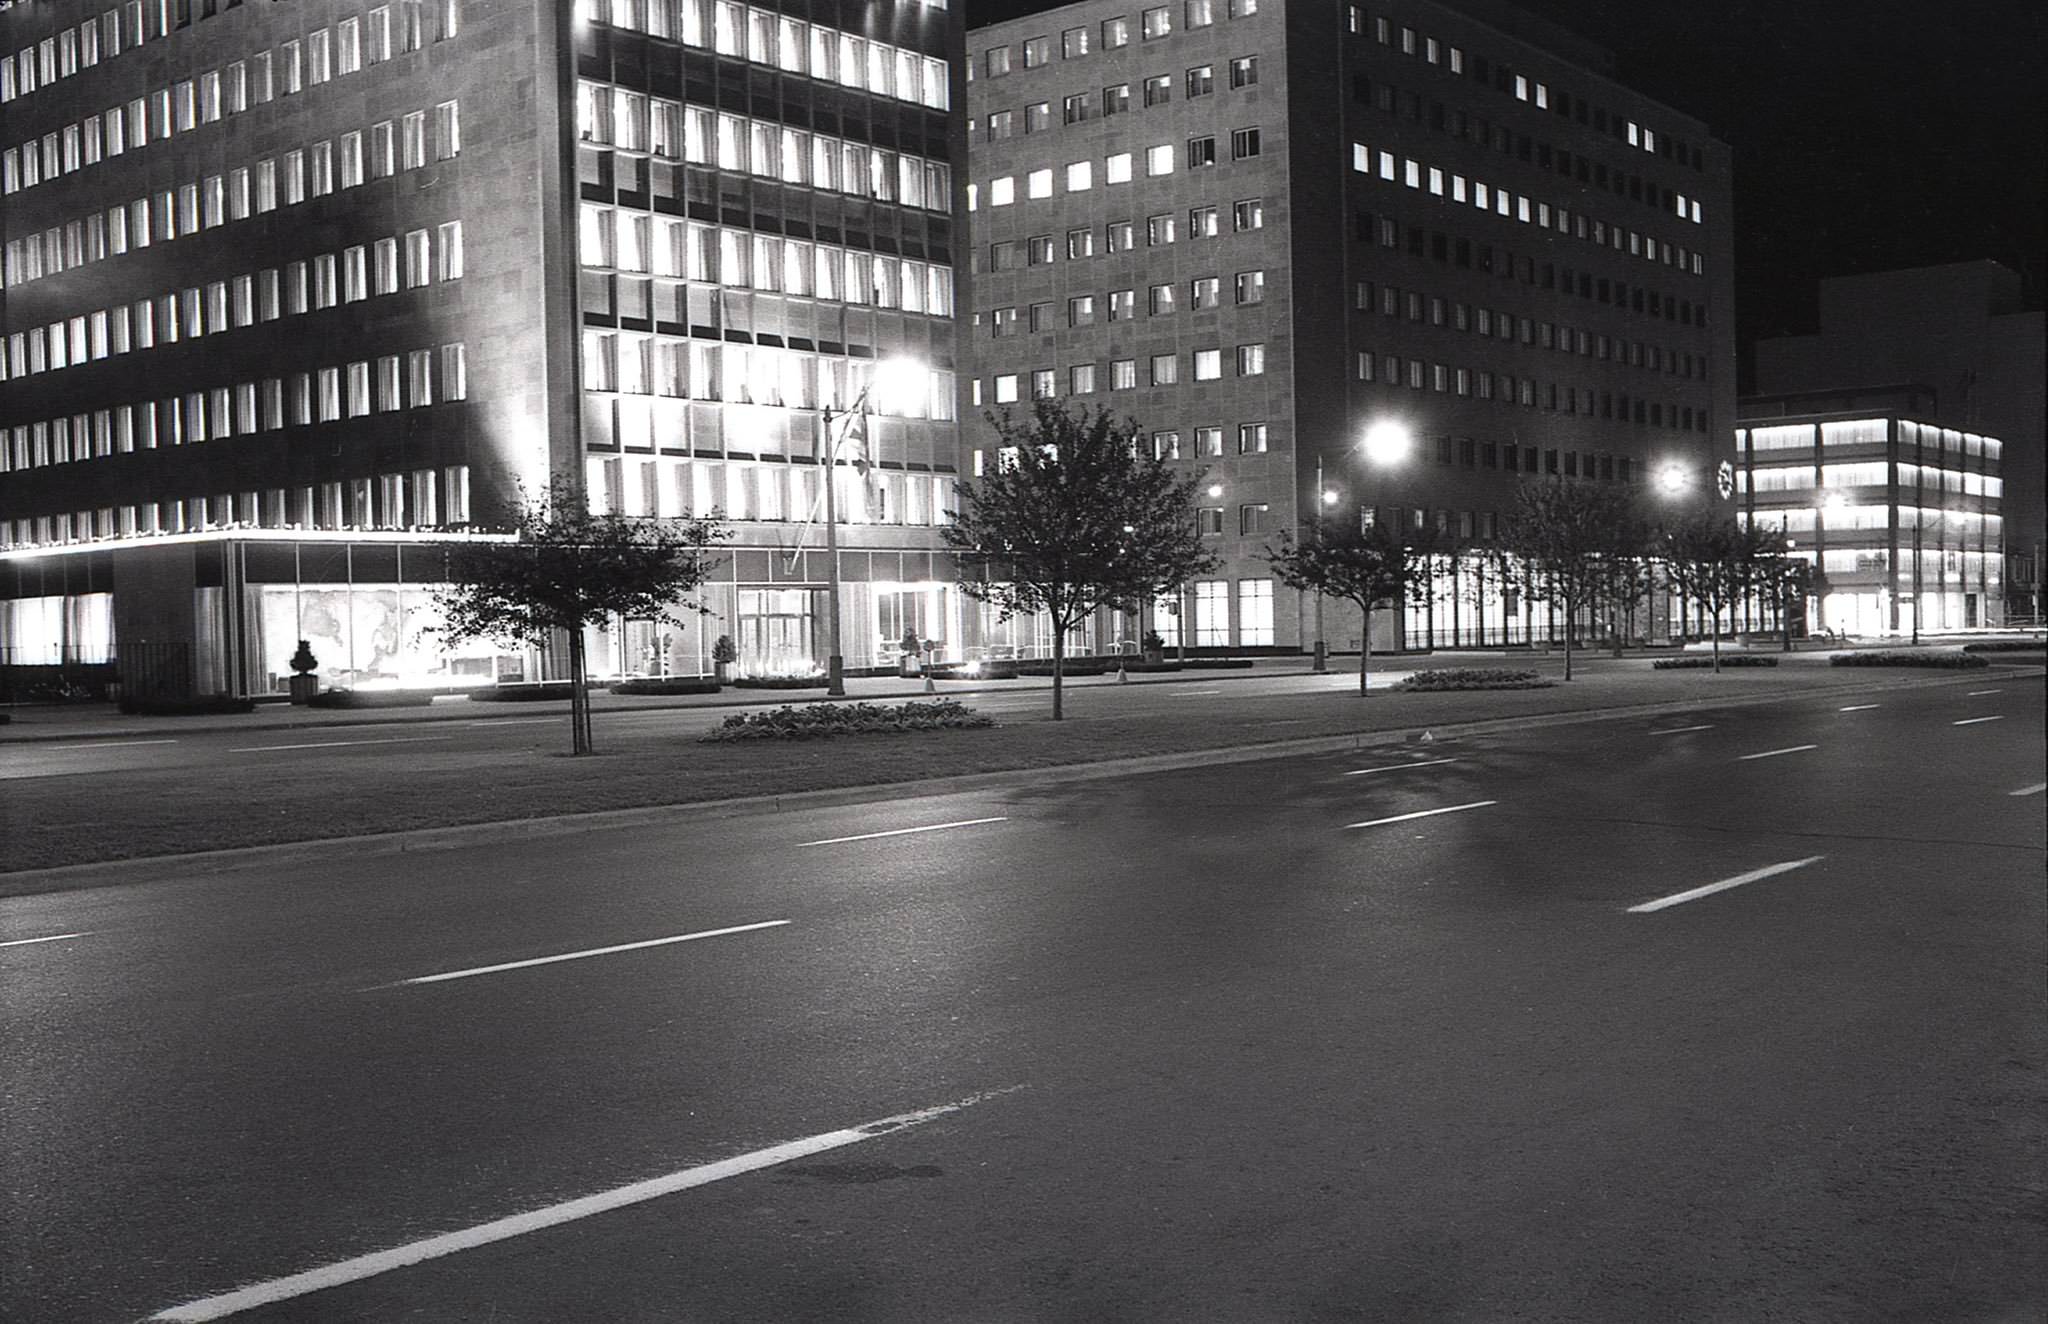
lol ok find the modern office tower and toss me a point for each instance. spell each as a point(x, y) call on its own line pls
point(1259, 227)
point(1962, 331)
point(296, 293)
point(1901, 516)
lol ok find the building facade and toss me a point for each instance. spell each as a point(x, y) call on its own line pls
point(1902, 519)
point(1962, 331)
point(295, 294)
point(1258, 227)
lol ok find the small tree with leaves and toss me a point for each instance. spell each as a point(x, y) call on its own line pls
point(1561, 544)
point(1718, 562)
point(1369, 567)
point(568, 570)
point(1073, 517)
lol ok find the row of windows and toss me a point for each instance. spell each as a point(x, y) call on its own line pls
point(1940, 524)
point(1393, 370)
point(1204, 365)
point(284, 180)
point(189, 103)
point(1874, 473)
point(1926, 438)
point(65, 53)
point(1115, 33)
point(634, 364)
point(669, 246)
point(1521, 208)
point(1163, 300)
point(1211, 612)
point(789, 44)
point(417, 499)
point(1079, 176)
point(1080, 107)
point(384, 266)
point(1471, 128)
point(1503, 78)
point(323, 395)
point(699, 135)
point(1501, 325)
point(1203, 442)
point(770, 491)
point(1203, 222)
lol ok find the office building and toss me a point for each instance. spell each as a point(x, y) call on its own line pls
point(1901, 516)
point(1961, 332)
point(1257, 227)
point(297, 293)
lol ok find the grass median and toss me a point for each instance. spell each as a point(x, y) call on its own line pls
point(50, 821)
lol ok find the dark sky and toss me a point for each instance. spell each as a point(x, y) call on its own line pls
point(1868, 134)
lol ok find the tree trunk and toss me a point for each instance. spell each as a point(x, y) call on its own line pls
point(1059, 660)
point(1571, 612)
point(1715, 630)
point(579, 696)
point(1365, 655)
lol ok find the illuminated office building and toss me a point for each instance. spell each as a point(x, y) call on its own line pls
point(1257, 227)
point(294, 294)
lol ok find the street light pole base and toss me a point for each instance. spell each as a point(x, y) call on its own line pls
point(835, 676)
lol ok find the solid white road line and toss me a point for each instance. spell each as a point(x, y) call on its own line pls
point(55, 937)
point(595, 951)
point(1722, 886)
point(2035, 789)
point(1972, 721)
point(115, 744)
point(336, 744)
point(554, 1215)
point(1773, 753)
point(1975, 693)
point(1396, 767)
point(1681, 730)
point(904, 832)
point(1858, 708)
point(508, 721)
point(1420, 813)
point(1193, 694)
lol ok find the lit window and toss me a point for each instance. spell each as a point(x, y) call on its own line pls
point(1251, 287)
point(1208, 364)
point(1156, 23)
point(1165, 369)
point(1080, 176)
point(1159, 160)
point(1244, 71)
point(1248, 214)
point(1038, 183)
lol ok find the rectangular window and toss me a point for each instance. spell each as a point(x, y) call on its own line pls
point(1116, 32)
point(1073, 43)
point(1248, 214)
point(1255, 600)
point(1201, 153)
point(1165, 369)
point(1244, 143)
point(1251, 439)
point(1203, 223)
point(1204, 292)
point(454, 373)
point(1244, 71)
point(1160, 300)
point(1251, 287)
point(1208, 364)
point(1158, 90)
point(447, 130)
point(1156, 23)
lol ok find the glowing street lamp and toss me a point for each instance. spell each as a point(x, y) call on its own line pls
point(895, 386)
point(1387, 443)
point(1673, 480)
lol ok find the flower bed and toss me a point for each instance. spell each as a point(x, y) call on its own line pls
point(1894, 658)
point(371, 699)
point(666, 685)
point(818, 721)
point(1698, 662)
point(1474, 678)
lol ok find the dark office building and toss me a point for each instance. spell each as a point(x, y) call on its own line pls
point(1260, 227)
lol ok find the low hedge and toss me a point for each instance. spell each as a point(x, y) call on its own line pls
point(817, 682)
point(371, 699)
point(1073, 666)
point(666, 685)
point(1217, 663)
point(1474, 678)
point(210, 705)
point(824, 720)
point(523, 691)
point(2007, 646)
point(1694, 662)
point(1894, 658)
point(989, 671)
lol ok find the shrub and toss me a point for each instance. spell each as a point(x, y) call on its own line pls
point(724, 650)
point(817, 721)
point(817, 682)
point(1073, 666)
point(666, 685)
point(1692, 662)
point(1887, 657)
point(1216, 663)
point(2007, 646)
point(1475, 678)
point(201, 707)
point(370, 699)
point(522, 691)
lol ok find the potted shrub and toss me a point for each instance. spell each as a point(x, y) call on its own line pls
point(304, 684)
point(723, 654)
point(910, 648)
point(1154, 647)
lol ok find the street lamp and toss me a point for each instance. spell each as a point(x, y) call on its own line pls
point(1674, 480)
point(892, 384)
point(1386, 443)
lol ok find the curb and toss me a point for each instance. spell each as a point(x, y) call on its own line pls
point(111, 873)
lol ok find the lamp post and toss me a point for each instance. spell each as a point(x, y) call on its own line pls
point(894, 376)
point(1386, 444)
point(1325, 499)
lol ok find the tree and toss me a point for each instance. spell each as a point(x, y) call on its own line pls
point(1074, 517)
point(1561, 544)
point(1366, 566)
point(1718, 562)
point(568, 570)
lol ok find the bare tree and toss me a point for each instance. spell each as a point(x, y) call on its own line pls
point(1073, 517)
point(1718, 562)
point(1561, 544)
point(568, 570)
point(1366, 566)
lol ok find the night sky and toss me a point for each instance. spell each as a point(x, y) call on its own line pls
point(1868, 134)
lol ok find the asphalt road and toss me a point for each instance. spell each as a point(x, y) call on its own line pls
point(1445, 1034)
